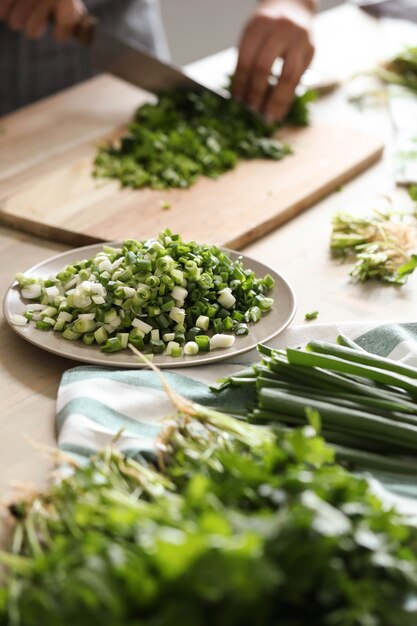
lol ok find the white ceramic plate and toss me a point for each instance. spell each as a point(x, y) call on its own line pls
point(269, 326)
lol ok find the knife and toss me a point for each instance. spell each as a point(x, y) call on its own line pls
point(131, 62)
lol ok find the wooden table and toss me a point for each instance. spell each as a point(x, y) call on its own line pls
point(29, 377)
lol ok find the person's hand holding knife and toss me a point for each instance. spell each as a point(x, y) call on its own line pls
point(31, 17)
point(277, 28)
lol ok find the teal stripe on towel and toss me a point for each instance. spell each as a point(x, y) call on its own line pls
point(103, 415)
point(230, 400)
point(384, 339)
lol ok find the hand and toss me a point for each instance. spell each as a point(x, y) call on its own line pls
point(278, 28)
point(31, 17)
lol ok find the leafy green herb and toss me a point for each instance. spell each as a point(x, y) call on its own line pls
point(225, 533)
point(311, 316)
point(401, 70)
point(380, 244)
point(299, 113)
point(185, 135)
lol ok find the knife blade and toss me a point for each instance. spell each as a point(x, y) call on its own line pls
point(131, 62)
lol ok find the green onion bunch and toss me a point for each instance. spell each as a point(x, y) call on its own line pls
point(229, 526)
point(367, 405)
point(382, 244)
point(162, 296)
point(401, 70)
point(185, 135)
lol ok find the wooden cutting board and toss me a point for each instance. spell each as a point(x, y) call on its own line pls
point(46, 187)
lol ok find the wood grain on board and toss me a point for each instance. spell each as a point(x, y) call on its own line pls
point(46, 187)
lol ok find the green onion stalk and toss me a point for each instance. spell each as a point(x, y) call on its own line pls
point(367, 403)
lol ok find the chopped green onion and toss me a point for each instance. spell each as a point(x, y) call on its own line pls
point(311, 316)
point(162, 289)
point(141, 325)
point(226, 298)
point(88, 339)
point(100, 335)
point(124, 339)
point(84, 326)
point(202, 322)
point(157, 346)
point(222, 341)
point(112, 345)
point(203, 343)
point(172, 345)
point(191, 348)
point(69, 334)
point(19, 320)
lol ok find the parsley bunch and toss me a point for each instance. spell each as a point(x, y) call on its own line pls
point(381, 245)
point(235, 525)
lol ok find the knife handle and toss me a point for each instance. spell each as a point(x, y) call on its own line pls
point(83, 32)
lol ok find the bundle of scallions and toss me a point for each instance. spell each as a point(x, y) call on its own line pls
point(367, 404)
point(163, 295)
point(381, 244)
point(401, 69)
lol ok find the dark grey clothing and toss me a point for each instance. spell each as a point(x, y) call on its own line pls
point(400, 9)
point(30, 70)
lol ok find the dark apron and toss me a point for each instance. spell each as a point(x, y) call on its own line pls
point(30, 70)
point(400, 9)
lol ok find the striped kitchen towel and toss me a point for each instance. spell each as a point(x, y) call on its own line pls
point(95, 403)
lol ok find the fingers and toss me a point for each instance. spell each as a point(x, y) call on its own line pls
point(250, 45)
point(39, 18)
point(280, 99)
point(31, 17)
point(19, 14)
point(67, 15)
point(279, 28)
point(258, 83)
point(5, 7)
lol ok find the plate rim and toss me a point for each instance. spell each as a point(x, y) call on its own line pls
point(211, 358)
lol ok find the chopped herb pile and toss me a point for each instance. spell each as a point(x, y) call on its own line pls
point(185, 135)
point(381, 245)
point(240, 526)
point(162, 296)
